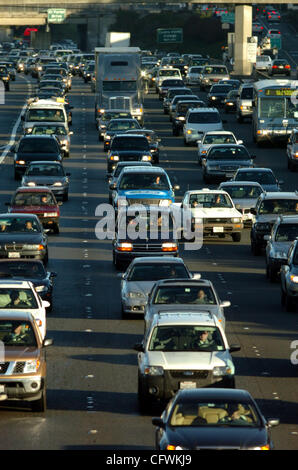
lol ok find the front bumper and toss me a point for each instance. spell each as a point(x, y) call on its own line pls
point(20, 387)
point(22, 254)
point(133, 305)
point(216, 229)
point(166, 386)
point(127, 256)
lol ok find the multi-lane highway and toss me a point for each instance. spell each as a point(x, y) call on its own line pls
point(92, 368)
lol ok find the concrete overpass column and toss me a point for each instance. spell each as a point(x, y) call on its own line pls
point(92, 32)
point(243, 28)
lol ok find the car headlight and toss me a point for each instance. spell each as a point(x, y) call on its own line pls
point(154, 370)
point(31, 366)
point(213, 97)
point(64, 142)
point(221, 371)
point(51, 214)
point(266, 447)
point(236, 220)
point(108, 137)
point(40, 288)
point(294, 278)
point(168, 246)
point(135, 295)
point(21, 162)
point(30, 183)
point(171, 447)
point(114, 158)
point(33, 247)
point(57, 183)
point(146, 158)
point(181, 118)
point(165, 202)
point(279, 254)
point(124, 246)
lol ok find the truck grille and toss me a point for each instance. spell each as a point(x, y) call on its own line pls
point(120, 102)
point(193, 374)
point(19, 368)
point(217, 221)
point(13, 247)
point(145, 202)
point(3, 367)
point(147, 247)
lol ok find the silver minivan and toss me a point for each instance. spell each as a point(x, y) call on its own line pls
point(244, 102)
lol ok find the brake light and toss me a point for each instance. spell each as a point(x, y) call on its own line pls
point(274, 66)
point(287, 66)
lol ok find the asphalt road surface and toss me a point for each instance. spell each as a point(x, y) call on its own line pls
point(92, 368)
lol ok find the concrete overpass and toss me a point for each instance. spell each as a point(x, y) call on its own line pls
point(97, 15)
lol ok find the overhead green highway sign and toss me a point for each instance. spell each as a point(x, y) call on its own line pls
point(166, 36)
point(56, 15)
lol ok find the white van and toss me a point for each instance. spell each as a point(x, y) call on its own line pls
point(40, 111)
point(198, 121)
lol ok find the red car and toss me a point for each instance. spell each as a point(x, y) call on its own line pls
point(39, 201)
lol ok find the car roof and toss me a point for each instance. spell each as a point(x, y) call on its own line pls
point(207, 395)
point(15, 283)
point(207, 191)
point(136, 136)
point(47, 162)
point(242, 183)
point(219, 132)
point(18, 215)
point(184, 317)
point(183, 282)
point(35, 189)
point(279, 195)
point(35, 136)
point(288, 219)
point(16, 316)
point(147, 169)
point(268, 170)
point(157, 259)
point(203, 110)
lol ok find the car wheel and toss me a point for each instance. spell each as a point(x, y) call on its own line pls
point(236, 237)
point(40, 405)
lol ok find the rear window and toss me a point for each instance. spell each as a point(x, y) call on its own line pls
point(204, 118)
point(38, 146)
point(247, 93)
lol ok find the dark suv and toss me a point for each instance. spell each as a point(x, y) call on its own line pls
point(128, 147)
point(269, 206)
point(33, 148)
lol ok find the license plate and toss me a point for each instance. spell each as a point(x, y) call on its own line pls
point(218, 229)
point(184, 385)
point(14, 255)
point(2, 389)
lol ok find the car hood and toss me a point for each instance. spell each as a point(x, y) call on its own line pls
point(215, 212)
point(188, 360)
point(183, 308)
point(229, 163)
point(30, 238)
point(136, 194)
point(245, 203)
point(138, 286)
point(44, 180)
point(38, 156)
point(282, 246)
point(193, 437)
point(14, 353)
point(32, 209)
point(270, 187)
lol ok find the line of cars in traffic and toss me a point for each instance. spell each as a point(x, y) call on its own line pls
point(26, 286)
point(184, 356)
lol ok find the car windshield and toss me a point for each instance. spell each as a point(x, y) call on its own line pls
point(186, 338)
point(228, 153)
point(209, 200)
point(219, 139)
point(155, 272)
point(169, 73)
point(196, 70)
point(130, 143)
point(44, 170)
point(33, 199)
point(49, 130)
point(36, 145)
point(221, 89)
point(45, 115)
point(17, 333)
point(216, 70)
point(279, 206)
point(172, 83)
point(15, 298)
point(119, 86)
point(213, 413)
point(144, 181)
point(13, 225)
point(243, 192)
point(261, 177)
point(23, 270)
point(202, 295)
point(286, 233)
point(247, 93)
point(204, 118)
point(123, 125)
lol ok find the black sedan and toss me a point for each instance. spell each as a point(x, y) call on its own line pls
point(33, 271)
point(214, 419)
point(217, 94)
point(279, 67)
point(32, 148)
point(22, 236)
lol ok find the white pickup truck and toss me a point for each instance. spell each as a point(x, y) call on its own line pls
point(216, 211)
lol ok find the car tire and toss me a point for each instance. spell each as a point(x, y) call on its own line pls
point(40, 405)
point(236, 237)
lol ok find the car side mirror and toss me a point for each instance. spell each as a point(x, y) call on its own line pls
point(225, 303)
point(47, 342)
point(267, 237)
point(22, 118)
point(234, 348)
point(224, 121)
point(281, 182)
point(196, 276)
point(45, 303)
point(7, 203)
point(139, 347)
point(239, 142)
point(253, 157)
point(113, 186)
point(60, 203)
point(238, 207)
point(158, 422)
point(70, 133)
point(53, 274)
point(272, 422)
point(68, 174)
